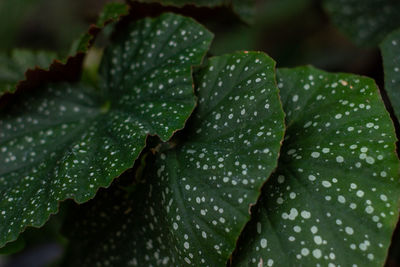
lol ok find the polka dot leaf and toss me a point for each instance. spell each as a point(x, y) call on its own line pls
point(67, 140)
point(366, 22)
point(333, 200)
point(244, 8)
point(196, 197)
point(390, 48)
point(13, 67)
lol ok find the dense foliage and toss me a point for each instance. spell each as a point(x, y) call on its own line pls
point(175, 157)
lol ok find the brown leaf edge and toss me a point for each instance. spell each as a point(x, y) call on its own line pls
point(68, 69)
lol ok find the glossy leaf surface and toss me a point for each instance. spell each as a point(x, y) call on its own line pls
point(196, 197)
point(366, 22)
point(334, 199)
point(67, 140)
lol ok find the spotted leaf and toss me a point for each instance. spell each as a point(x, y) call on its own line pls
point(333, 200)
point(13, 67)
point(196, 198)
point(244, 8)
point(66, 140)
point(390, 49)
point(366, 22)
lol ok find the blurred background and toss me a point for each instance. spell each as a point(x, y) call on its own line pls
point(293, 32)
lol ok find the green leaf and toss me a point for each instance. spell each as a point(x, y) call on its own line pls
point(13, 67)
point(111, 13)
point(66, 140)
point(244, 8)
point(366, 22)
point(196, 197)
point(333, 200)
point(390, 49)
